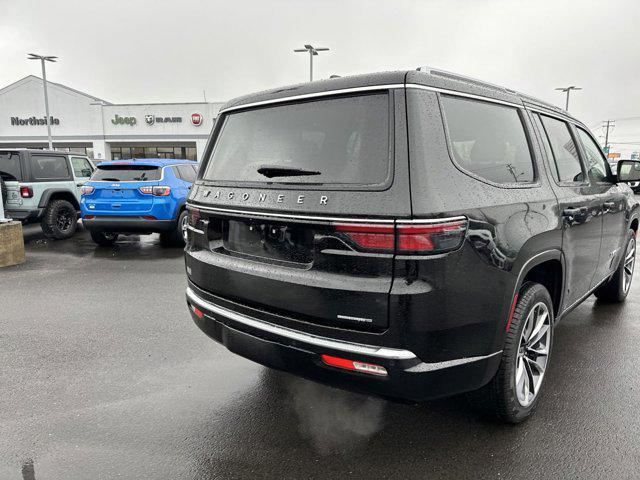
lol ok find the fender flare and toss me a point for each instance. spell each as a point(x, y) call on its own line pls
point(46, 196)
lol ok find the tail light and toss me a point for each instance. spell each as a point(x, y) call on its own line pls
point(158, 191)
point(86, 190)
point(26, 192)
point(416, 237)
point(354, 365)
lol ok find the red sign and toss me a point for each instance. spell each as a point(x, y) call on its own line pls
point(196, 119)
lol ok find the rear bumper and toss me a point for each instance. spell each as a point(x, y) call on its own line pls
point(297, 352)
point(24, 215)
point(134, 224)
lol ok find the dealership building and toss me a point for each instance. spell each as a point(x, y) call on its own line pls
point(104, 130)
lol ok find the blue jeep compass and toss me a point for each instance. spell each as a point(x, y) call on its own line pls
point(138, 196)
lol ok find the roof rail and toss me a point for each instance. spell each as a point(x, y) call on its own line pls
point(463, 78)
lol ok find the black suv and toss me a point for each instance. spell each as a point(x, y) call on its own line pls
point(408, 234)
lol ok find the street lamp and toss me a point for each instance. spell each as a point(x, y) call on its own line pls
point(44, 58)
point(568, 90)
point(312, 51)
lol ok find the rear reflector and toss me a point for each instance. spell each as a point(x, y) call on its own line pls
point(149, 217)
point(89, 217)
point(354, 365)
point(197, 311)
point(406, 238)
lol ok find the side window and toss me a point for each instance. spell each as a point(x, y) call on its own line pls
point(565, 152)
point(488, 140)
point(187, 173)
point(597, 165)
point(45, 167)
point(81, 167)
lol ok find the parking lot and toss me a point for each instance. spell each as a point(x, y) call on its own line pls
point(104, 375)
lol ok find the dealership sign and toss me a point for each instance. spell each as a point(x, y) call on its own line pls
point(118, 120)
point(196, 119)
point(17, 121)
point(151, 119)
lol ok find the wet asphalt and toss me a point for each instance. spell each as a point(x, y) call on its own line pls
point(104, 375)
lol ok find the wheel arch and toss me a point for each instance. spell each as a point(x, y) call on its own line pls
point(548, 269)
point(51, 194)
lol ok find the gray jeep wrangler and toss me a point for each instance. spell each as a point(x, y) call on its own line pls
point(44, 186)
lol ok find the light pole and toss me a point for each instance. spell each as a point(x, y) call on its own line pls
point(568, 90)
point(312, 51)
point(45, 58)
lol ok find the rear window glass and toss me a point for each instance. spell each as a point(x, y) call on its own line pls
point(126, 173)
point(49, 167)
point(488, 140)
point(342, 140)
point(10, 166)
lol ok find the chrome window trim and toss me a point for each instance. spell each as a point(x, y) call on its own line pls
point(305, 96)
point(432, 220)
point(368, 88)
point(324, 342)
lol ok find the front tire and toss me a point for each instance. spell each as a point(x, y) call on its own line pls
point(60, 220)
point(104, 239)
point(513, 393)
point(616, 289)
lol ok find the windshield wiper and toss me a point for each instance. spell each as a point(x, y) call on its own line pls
point(110, 179)
point(271, 171)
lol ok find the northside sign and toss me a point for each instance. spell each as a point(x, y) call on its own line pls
point(33, 120)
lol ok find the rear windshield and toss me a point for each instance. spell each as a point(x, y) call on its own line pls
point(10, 166)
point(342, 140)
point(126, 173)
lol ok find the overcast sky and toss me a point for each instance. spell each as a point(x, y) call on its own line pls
point(170, 51)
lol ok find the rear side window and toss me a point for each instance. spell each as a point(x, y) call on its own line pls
point(565, 153)
point(44, 167)
point(187, 173)
point(126, 173)
point(342, 140)
point(488, 140)
point(597, 166)
point(10, 169)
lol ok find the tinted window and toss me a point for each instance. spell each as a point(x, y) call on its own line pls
point(126, 173)
point(596, 164)
point(10, 166)
point(187, 173)
point(488, 140)
point(345, 139)
point(49, 167)
point(81, 167)
point(565, 153)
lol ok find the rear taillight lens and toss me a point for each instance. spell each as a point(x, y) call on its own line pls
point(432, 237)
point(161, 191)
point(158, 191)
point(26, 192)
point(87, 190)
point(416, 237)
point(369, 236)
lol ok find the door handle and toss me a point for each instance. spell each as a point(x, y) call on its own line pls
point(608, 206)
point(572, 212)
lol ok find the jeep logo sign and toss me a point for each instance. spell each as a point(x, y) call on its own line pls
point(196, 119)
point(118, 120)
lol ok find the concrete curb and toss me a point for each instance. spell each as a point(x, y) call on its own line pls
point(11, 244)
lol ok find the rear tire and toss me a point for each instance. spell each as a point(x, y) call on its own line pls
point(514, 391)
point(176, 238)
point(616, 289)
point(60, 220)
point(104, 239)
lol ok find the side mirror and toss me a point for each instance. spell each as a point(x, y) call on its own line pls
point(628, 171)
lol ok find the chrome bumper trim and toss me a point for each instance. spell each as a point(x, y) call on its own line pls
point(358, 348)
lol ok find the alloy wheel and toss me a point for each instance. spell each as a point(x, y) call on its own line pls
point(183, 228)
point(629, 264)
point(63, 220)
point(533, 354)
